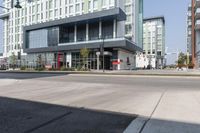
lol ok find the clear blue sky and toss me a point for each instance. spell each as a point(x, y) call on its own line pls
point(175, 15)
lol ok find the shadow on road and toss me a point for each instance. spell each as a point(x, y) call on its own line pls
point(20, 116)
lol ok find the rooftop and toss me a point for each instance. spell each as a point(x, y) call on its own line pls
point(154, 18)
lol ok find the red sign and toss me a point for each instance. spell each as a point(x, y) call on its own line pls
point(115, 62)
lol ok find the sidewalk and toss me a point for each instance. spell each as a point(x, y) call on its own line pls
point(177, 112)
point(195, 73)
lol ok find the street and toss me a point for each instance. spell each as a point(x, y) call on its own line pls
point(49, 103)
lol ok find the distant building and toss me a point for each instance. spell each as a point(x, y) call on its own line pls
point(56, 30)
point(153, 43)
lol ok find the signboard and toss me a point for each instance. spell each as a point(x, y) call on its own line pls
point(116, 62)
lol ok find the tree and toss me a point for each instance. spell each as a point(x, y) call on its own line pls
point(182, 58)
point(13, 60)
point(39, 61)
point(84, 54)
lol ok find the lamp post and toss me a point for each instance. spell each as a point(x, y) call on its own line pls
point(102, 53)
point(16, 6)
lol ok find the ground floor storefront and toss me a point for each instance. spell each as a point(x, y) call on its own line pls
point(112, 59)
point(150, 61)
point(198, 60)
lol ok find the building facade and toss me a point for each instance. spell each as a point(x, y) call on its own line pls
point(189, 31)
point(195, 33)
point(56, 30)
point(153, 43)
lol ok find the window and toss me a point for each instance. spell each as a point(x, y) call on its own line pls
point(77, 8)
point(71, 10)
point(81, 32)
point(95, 4)
point(104, 3)
point(94, 31)
point(128, 29)
point(66, 34)
point(107, 29)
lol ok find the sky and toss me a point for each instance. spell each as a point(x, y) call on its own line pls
point(175, 13)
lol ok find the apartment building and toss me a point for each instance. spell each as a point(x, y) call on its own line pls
point(195, 32)
point(189, 30)
point(56, 30)
point(153, 43)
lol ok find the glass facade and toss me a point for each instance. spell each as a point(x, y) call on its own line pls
point(70, 33)
point(107, 29)
point(43, 38)
point(81, 32)
point(93, 31)
point(53, 36)
point(66, 34)
point(38, 38)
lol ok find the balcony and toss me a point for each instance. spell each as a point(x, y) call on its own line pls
point(4, 15)
point(197, 25)
point(189, 14)
point(197, 14)
point(197, 3)
point(189, 24)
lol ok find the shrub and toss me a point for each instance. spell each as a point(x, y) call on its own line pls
point(40, 69)
point(22, 68)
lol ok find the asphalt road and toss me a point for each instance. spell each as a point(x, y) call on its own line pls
point(92, 103)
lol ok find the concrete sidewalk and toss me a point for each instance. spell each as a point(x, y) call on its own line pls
point(189, 73)
point(176, 112)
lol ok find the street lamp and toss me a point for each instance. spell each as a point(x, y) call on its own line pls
point(16, 6)
point(102, 53)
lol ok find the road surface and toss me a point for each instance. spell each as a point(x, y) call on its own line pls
point(100, 103)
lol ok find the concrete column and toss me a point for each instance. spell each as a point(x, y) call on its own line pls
point(114, 28)
point(69, 59)
point(118, 66)
point(100, 29)
point(87, 32)
point(75, 33)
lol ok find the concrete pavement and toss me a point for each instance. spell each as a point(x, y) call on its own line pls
point(165, 72)
point(164, 104)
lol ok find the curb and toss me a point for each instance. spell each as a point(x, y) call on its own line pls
point(136, 125)
point(101, 73)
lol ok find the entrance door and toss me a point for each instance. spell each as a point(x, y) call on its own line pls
point(61, 59)
point(107, 62)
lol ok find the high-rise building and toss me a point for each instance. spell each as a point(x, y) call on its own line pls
point(153, 43)
point(189, 30)
point(195, 32)
point(56, 30)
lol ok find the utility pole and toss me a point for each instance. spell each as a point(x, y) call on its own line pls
point(193, 34)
